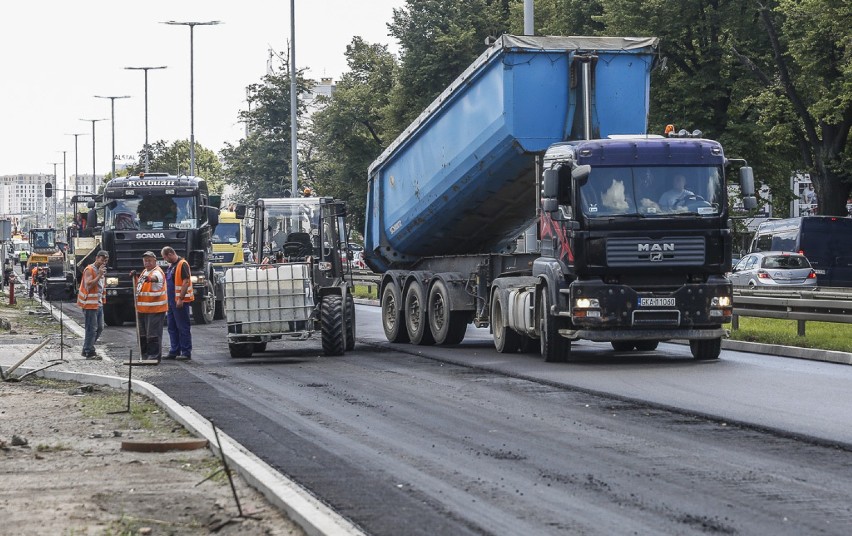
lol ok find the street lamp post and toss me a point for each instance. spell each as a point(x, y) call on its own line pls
point(94, 184)
point(294, 129)
point(146, 69)
point(112, 108)
point(53, 194)
point(192, 26)
point(76, 173)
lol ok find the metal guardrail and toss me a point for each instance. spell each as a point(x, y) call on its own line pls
point(821, 304)
point(366, 278)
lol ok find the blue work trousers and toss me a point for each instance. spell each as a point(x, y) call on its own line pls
point(180, 338)
point(94, 322)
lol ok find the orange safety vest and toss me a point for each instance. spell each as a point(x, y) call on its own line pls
point(91, 299)
point(151, 294)
point(33, 274)
point(190, 296)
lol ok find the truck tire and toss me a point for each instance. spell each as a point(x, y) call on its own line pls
point(241, 349)
point(416, 316)
point(219, 310)
point(331, 318)
point(112, 316)
point(447, 327)
point(623, 346)
point(554, 347)
point(204, 309)
point(506, 340)
point(706, 349)
point(646, 346)
point(350, 322)
point(393, 316)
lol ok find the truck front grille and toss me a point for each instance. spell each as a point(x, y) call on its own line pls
point(673, 251)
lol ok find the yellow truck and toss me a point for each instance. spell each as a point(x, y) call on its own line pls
point(227, 241)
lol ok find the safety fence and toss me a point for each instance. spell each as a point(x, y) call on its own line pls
point(820, 304)
point(367, 279)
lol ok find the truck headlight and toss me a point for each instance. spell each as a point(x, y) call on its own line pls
point(587, 303)
point(721, 302)
point(112, 281)
point(197, 279)
point(325, 266)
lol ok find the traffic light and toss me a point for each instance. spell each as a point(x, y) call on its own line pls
point(48, 189)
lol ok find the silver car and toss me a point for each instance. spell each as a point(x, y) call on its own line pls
point(773, 269)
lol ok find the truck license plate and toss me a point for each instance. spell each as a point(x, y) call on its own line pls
point(656, 302)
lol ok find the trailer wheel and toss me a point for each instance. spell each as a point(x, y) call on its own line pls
point(646, 346)
point(447, 327)
point(623, 346)
point(393, 317)
point(706, 349)
point(241, 349)
point(506, 340)
point(554, 347)
point(350, 322)
point(203, 310)
point(331, 316)
point(416, 315)
point(112, 316)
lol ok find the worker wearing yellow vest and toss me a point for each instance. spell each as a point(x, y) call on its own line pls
point(180, 294)
point(151, 306)
point(91, 298)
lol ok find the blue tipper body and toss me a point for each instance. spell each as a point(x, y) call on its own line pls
point(460, 179)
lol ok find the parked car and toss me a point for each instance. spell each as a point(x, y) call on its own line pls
point(773, 269)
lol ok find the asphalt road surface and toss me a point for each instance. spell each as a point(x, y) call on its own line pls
point(404, 439)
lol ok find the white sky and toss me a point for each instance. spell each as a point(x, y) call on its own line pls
point(56, 55)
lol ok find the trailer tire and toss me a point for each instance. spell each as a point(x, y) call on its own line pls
point(706, 349)
point(393, 316)
point(112, 316)
point(506, 340)
point(350, 322)
point(203, 310)
point(331, 317)
point(554, 347)
point(447, 326)
point(623, 346)
point(240, 349)
point(416, 315)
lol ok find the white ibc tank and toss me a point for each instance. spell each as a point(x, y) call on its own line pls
point(267, 299)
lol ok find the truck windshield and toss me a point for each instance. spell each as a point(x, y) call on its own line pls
point(226, 233)
point(290, 223)
point(652, 191)
point(151, 212)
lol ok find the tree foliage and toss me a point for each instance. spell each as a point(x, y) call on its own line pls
point(174, 158)
point(259, 165)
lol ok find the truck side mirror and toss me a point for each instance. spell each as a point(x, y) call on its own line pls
point(213, 216)
point(550, 184)
point(747, 187)
point(549, 204)
point(240, 211)
point(580, 174)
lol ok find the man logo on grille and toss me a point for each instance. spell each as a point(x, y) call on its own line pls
point(655, 257)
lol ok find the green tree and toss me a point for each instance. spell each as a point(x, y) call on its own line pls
point(559, 17)
point(806, 90)
point(438, 39)
point(174, 158)
point(350, 131)
point(259, 165)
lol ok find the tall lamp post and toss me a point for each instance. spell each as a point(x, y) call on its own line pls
point(64, 192)
point(146, 69)
point(192, 26)
point(294, 129)
point(76, 173)
point(55, 188)
point(94, 183)
point(112, 108)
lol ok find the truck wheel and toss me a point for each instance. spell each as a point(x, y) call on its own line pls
point(623, 346)
point(646, 346)
point(112, 316)
point(219, 310)
point(447, 327)
point(506, 340)
point(393, 318)
point(241, 349)
point(350, 322)
point(706, 349)
point(203, 310)
point(331, 317)
point(416, 317)
point(554, 347)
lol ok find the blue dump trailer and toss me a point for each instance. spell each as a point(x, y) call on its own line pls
point(550, 133)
